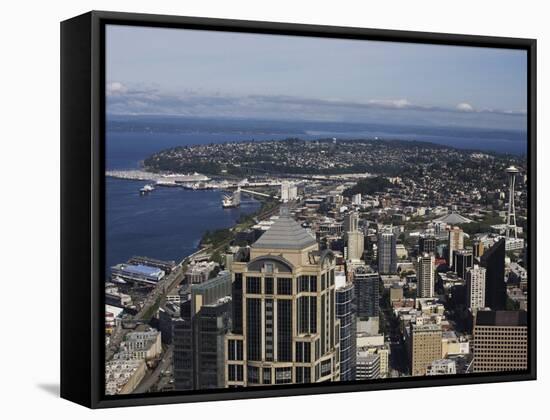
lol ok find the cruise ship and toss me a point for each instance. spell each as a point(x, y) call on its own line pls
point(233, 200)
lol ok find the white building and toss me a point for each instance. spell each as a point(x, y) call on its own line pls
point(442, 367)
point(289, 191)
point(475, 287)
point(425, 275)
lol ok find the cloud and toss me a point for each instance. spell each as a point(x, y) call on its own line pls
point(391, 103)
point(147, 100)
point(114, 88)
point(465, 107)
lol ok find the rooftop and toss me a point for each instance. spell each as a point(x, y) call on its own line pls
point(453, 219)
point(285, 233)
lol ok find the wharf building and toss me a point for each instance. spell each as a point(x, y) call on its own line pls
point(500, 341)
point(285, 329)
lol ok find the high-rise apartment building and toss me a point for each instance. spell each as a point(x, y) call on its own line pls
point(500, 341)
point(346, 314)
point(495, 288)
point(425, 276)
point(387, 252)
point(285, 328)
point(424, 347)
point(475, 287)
point(456, 242)
point(367, 291)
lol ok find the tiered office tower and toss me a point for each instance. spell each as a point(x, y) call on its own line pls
point(511, 228)
point(356, 239)
point(475, 287)
point(500, 341)
point(495, 288)
point(285, 329)
point(456, 242)
point(425, 275)
point(387, 252)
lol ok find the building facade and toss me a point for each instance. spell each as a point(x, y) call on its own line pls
point(346, 314)
point(495, 288)
point(475, 287)
point(367, 292)
point(425, 275)
point(285, 328)
point(456, 242)
point(425, 347)
point(500, 341)
point(387, 252)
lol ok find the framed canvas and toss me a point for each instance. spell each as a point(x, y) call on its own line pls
point(254, 209)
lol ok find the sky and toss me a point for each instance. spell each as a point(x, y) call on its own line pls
point(194, 73)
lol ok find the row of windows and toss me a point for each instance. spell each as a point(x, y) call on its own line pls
point(254, 285)
point(284, 284)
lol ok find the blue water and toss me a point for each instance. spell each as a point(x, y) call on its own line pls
point(169, 223)
point(166, 224)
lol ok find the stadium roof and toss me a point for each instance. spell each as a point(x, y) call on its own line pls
point(285, 233)
point(453, 219)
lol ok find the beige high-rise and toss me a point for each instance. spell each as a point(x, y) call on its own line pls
point(285, 329)
point(425, 347)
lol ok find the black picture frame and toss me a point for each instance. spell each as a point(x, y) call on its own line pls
point(83, 219)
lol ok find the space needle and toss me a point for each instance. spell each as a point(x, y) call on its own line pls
point(511, 227)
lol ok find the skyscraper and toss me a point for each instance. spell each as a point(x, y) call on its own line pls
point(462, 260)
point(427, 244)
point(495, 288)
point(477, 249)
point(367, 291)
point(346, 314)
point(425, 347)
point(387, 252)
point(285, 328)
point(425, 275)
point(475, 287)
point(500, 341)
point(456, 242)
point(356, 239)
point(198, 336)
